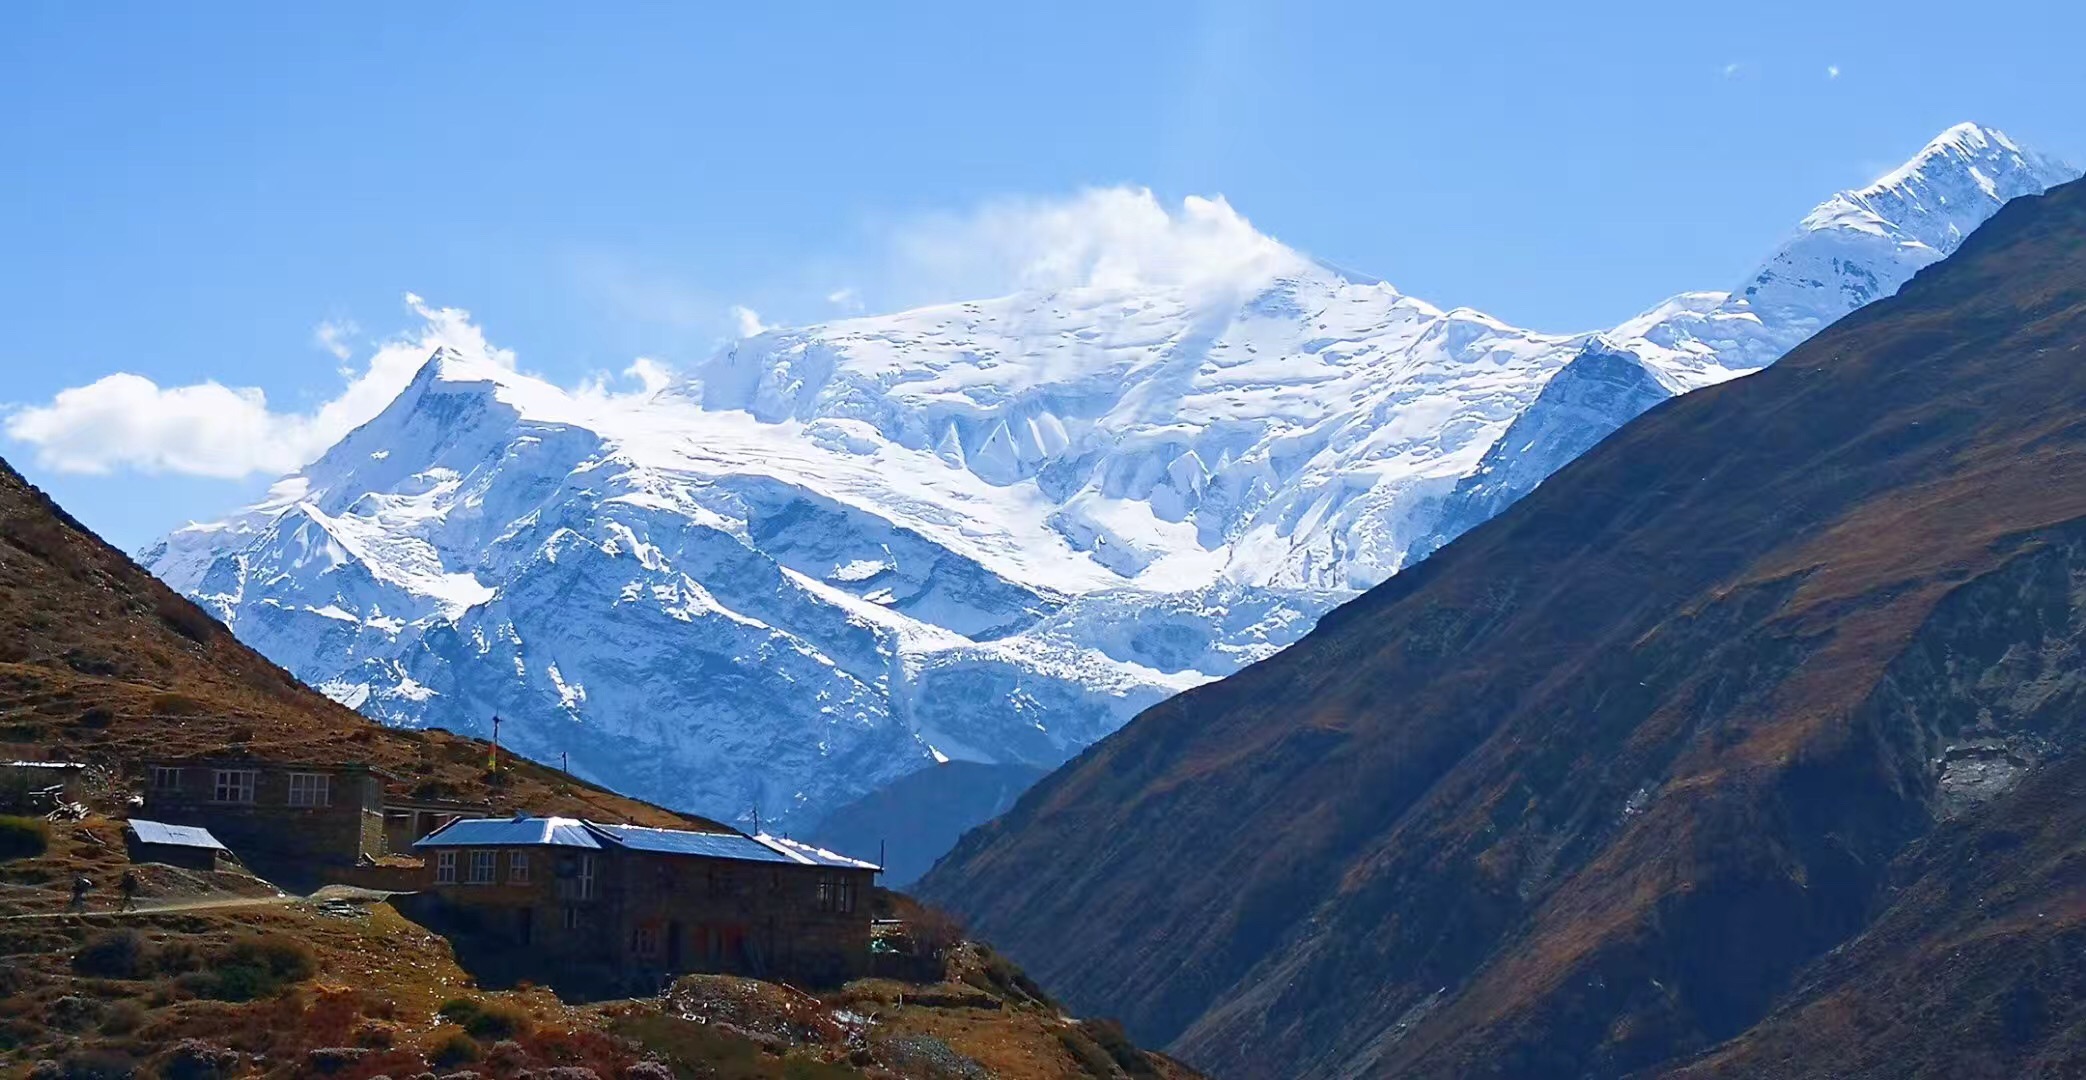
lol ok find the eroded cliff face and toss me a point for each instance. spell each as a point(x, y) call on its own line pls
point(1624, 775)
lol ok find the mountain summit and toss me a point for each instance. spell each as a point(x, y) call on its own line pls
point(987, 531)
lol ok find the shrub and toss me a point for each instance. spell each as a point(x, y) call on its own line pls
point(173, 704)
point(96, 1065)
point(255, 966)
point(1092, 1060)
point(1109, 1035)
point(114, 954)
point(183, 617)
point(457, 1049)
point(123, 1018)
point(194, 1059)
point(484, 1019)
point(23, 837)
point(497, 1021)
point(332, 1059)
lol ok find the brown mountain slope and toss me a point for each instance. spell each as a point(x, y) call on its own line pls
point(1602, 783)
point(100, 662)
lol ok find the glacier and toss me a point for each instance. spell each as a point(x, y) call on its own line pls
point(990, 531)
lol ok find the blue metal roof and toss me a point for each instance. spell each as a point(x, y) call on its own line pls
point(736, 846)
point(511, 832)
point(815, 856)
point(159, 832)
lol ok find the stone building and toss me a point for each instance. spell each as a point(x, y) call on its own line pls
point(648, 903)
point(40, 785)
point(318, 814)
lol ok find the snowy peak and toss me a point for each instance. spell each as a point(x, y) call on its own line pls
point(990, 530)
point(2000, 167)
point(1946, 190)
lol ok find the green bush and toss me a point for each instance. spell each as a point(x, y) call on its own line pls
point(23, 837)
point(114, 954)
point(458, 1010)
point(485, 1020)
point(252, 967)
point(123, 1017)
point(457, 1049)
point(1110, 1036)
point(1092, 1060)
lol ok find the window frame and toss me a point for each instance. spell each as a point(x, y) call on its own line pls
point(240, 782)
point(166, 778)
point(586, 877)
point(573, 918)
point(644, 942)
point(445, 866)
point(517, 868)
point(484, 867)
point(836, 894)
point(317, 790)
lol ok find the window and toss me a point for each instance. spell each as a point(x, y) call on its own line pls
point(572, 918)
point(517, 868)
point(445, 867)
point(644, 941)
point(310, 789)
point(836, 894)
point(166, 778)
point(233, 786)
point(586, 877)
point(482, 863)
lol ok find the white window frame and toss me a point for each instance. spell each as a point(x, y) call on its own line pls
point(312, 789)
point(445, 866)
point(485, 865)
point(517, 868)
point(166, 778)
point(240, 783)
point(586, 877)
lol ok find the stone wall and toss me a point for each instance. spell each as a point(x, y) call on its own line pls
point(349, 828)
point(651, 916)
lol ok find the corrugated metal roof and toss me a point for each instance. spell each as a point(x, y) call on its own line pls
point(511, 832)
point(737, 846)
point(814, 856)
point(159, 832)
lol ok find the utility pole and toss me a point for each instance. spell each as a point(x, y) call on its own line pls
point(492, 759)
point(564, 764)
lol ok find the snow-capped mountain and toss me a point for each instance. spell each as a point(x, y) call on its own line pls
point(990, 531)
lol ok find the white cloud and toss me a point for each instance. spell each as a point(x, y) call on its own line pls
point(1733, 70)
point(746, 321)
point(650, 374)
point(846, 298)
point(1832, 71)
point(1117, 238)
point(334, 337)
point(127, 421)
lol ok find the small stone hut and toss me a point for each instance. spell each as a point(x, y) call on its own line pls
point(175, 845)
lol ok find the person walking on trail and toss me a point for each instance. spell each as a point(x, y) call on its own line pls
point(129, 886)
point(80, 887)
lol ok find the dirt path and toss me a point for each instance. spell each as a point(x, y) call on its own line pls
point(330, 893)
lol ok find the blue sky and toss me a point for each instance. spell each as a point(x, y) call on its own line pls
point(243, 195)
